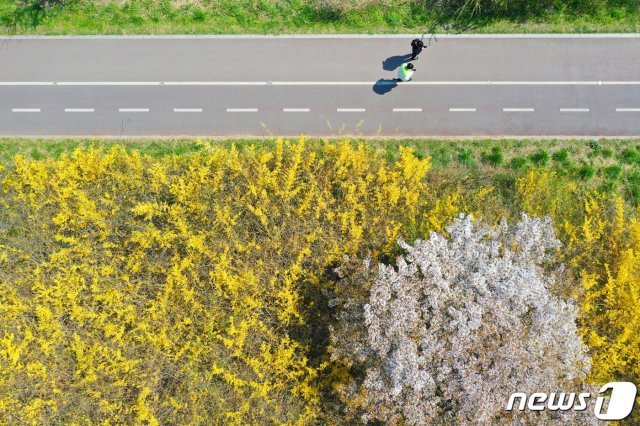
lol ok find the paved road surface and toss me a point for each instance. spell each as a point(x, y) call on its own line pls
point(463, 86)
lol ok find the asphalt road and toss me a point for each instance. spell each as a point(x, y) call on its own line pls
point(463, 86)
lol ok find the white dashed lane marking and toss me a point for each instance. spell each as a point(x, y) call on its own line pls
point(25, 110)
point(574, 109)
point(407, 110)
point(133, 110)
point(187, 110)
point(79, 110)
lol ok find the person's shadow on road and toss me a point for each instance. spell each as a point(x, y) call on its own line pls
point(393, 62)
point(384, 86)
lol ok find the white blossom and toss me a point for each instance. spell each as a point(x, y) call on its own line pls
point(457, 326)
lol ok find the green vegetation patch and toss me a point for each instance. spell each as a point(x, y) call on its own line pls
point(316, 16)
point(611, 166)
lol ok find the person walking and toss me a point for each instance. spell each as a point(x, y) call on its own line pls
point(405, 72)
point(416, 47)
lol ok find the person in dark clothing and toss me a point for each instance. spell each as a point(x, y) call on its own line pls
point(416, 47)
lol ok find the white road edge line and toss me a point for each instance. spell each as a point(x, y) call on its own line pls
point(319, 83)
point(133, 109)
point(351, 110)
point(187, 110)
point(518, 110)
point(631, 82)
point(407, 110)
point(242, 109)
point(462, 110)
point(550, 82)
point(25, 109)
point(627, 109)
point(295, 110)
point(574, 109)
point(79, 110)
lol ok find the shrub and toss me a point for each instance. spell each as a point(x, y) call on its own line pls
point(198, 15)
point(188, 286)
point(518, 163)
point(604, 250)
point(440, 334)
point(168, 290)
point(612, 172)
point(632, 187)
point(442, 157)
point(466, 158)
point(541, 193)
point(36, 154)
point(586, 171)
point(561, 156)
point(596, 148)
point(494, 157)
point(630, 156)
point(608, 187)
point(540, 158)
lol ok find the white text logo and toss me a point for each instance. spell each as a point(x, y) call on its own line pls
point(623, 395)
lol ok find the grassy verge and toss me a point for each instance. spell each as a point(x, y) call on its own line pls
point(611, 166)
point(312, 16)
point(442, 151)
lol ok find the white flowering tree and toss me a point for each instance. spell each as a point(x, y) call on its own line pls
point(457, 326)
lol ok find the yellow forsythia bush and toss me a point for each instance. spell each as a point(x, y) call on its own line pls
point(605, 249)
point(183, 289)
point(601, 245)
point(165, 290)
point(545, 193)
